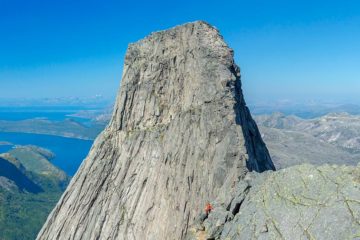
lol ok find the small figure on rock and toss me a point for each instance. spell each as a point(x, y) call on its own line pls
point(208, 208)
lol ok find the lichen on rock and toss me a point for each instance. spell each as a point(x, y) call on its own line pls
point(300, 202)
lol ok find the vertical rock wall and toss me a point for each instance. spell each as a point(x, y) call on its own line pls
point(180, 134)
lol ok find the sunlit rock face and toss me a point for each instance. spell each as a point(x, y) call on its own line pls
point(300, 202)
point(180, 135)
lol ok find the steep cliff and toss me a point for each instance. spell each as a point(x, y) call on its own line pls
point(180, 135)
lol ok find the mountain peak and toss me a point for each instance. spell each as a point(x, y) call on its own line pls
point(196, 27)
point(180, 134)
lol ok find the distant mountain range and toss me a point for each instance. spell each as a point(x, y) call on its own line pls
point(307, 110)
point(333, 138)
point(30, 186)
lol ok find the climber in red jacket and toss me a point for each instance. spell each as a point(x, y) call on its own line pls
point(208, 208)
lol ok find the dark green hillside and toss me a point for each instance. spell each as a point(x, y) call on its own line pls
point(11, 172)
point(37, 160)
point(23, 214)
point(30, 186)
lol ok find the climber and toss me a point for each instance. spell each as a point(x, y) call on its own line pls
point(208, 208)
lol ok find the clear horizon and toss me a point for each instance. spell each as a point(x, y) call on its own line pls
point(299, 51)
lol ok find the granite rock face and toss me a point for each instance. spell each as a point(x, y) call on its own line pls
point(300, 202)
point(180, 135)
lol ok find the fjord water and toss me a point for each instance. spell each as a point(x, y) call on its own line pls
point(69, 152)
point(5, 148)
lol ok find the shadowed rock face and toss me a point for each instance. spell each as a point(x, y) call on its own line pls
point(180, 134)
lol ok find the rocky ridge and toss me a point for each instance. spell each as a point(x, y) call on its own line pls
point(300, 202)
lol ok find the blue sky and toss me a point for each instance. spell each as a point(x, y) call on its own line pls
point(298, 50)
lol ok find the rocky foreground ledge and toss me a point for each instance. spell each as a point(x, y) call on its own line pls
point(301, 202)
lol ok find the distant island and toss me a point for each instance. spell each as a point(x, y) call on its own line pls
point(67, 128)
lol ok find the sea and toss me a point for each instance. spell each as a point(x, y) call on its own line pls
point(70, 152)
point(24, 113)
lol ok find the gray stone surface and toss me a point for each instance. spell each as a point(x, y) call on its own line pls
point(300, 202)
point(180, 136)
